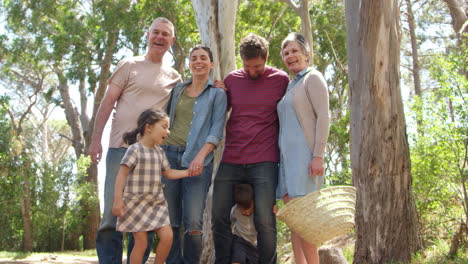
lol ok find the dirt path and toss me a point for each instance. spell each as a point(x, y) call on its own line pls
point(65, 259)
point(62, 259)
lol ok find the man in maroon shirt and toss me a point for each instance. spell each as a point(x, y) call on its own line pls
point(251, 153)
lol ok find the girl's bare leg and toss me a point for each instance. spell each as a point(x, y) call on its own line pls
point(164, 245)
point(141, 241)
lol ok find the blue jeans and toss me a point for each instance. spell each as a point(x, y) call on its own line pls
point(186, 199)
point(108, 240)
point(264, 177)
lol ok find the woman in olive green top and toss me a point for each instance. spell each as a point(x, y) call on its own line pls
point(197, 112)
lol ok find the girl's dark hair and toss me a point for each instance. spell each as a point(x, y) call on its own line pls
point(205, 48)
point(243, 195)
point(149, 117)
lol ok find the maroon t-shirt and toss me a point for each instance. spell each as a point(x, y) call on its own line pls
point(252, 129)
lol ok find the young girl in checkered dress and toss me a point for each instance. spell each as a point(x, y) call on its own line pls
point(139, 202)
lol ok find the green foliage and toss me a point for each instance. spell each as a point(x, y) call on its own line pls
point(439, 152)
point(259, 17)
point(283, 237)
point(437, 254)
point(329, 28)
point(330, 56)
point(84, 189)
point(11, 236)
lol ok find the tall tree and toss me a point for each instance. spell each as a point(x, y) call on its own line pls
point(459, 12)
point(27, 79)
point(216, 23)
point(386, 220)
point(414, 47)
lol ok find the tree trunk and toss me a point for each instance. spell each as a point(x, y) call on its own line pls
point(91, 209)
point(414, 49)
point(416, 67)
point(456, 239)
point(458, 11)
point(93, 216)
point(386, 220)
point(71, 113)
point(25, 203)
point(112, 39)
point(216, 23)
point(302, 11)
point(84, 105)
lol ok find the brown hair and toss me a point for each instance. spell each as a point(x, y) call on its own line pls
point(243, 195)
point(253, 46)
point(150, 117)
point(205, 48)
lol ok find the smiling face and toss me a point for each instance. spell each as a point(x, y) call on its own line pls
point(254, 67)
point(200, 63)
point(294, 57)
point(158, 131)
point(160, 37)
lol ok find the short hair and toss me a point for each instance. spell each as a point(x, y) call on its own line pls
point(164, 20)
point(253, 46)
point(299, 38)
point(243, 195)
point(205, 48)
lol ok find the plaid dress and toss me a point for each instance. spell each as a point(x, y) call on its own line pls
point(144, 203)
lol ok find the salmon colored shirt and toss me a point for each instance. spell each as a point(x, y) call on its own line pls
point(144, 85)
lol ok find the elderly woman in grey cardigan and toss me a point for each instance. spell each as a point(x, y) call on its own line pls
point(304, 126)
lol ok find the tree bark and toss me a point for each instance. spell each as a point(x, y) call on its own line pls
point(71, 113)
point(84, 105)
point(386, 220)
point(414, 49)
point(458, 11)
point(416, 67)
point(216, 23)
point(25, 203)
point(93, 215)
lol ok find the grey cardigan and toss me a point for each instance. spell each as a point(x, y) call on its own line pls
point(312, 110)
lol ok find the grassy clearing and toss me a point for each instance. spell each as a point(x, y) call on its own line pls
point(26, 255)
point(435, 254)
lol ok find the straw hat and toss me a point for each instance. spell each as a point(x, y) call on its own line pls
point(321, 215)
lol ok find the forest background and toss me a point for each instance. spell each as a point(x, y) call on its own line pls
point(56, 56)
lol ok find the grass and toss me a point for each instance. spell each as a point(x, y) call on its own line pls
point(435, 254)
point(24, 255)
point(14, 255)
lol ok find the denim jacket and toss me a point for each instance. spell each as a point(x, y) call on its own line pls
point(209, 116)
